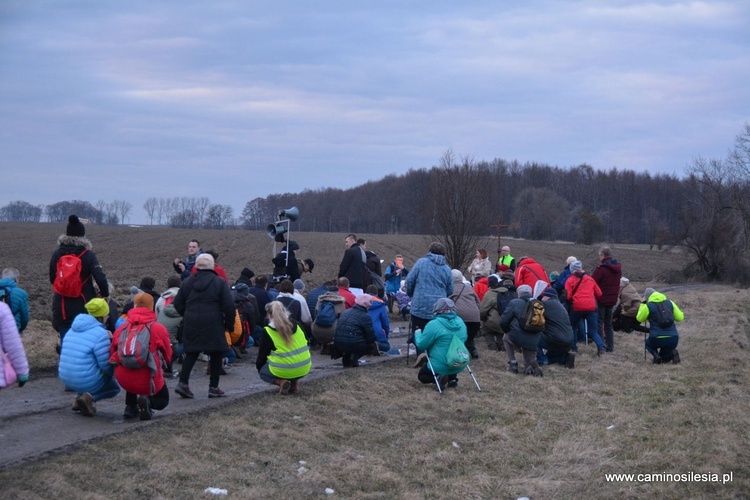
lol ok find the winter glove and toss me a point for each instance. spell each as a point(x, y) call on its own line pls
point(22, 379)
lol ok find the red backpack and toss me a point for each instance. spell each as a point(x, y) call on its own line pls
point(68, 282)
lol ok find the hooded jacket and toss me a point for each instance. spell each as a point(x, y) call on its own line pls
point(324, 334)
point(19, 302)
point(607, 275)
point(630, 300)
point(167, 294)
point(139, 381)
point(64, 310)
point(467, 302)
point(586, 294)
point(436, 338)
point(529, 272)
point(480, 287)
point(647, 311)
point(509, 322)
point(558, 331)
point(171, 320)
point(429, 280)
point(12, 345)
point(84, 357)
point(206, 303)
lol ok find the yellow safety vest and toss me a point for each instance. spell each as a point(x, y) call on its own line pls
point(505, 259)
point(289, 361)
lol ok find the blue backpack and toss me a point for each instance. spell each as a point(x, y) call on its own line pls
point(326, 314)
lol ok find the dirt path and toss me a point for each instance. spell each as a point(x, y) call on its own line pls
point(36, 420)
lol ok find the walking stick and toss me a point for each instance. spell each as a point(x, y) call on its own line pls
point(473, 377)
point(408, 338)
point(434, 375)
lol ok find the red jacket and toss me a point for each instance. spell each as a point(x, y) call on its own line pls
point(139, 381)
point(586, 294)
point(481, 287)
point(529, 272)
point(348, 297)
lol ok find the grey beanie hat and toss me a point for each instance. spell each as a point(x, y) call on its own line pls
point(524, 290)
point(299, 285)
point(443, 305)
point(576, 266)
point(647, 293)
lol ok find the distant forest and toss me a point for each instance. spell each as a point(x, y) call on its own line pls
point(535, 201)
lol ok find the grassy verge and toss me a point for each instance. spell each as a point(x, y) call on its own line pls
point(376, 432)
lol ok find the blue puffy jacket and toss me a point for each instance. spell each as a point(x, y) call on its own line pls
point(378, 313)
point(85, 355)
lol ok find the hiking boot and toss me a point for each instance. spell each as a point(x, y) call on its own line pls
point(184, 391)
point(571, 362)
point(513, 366)
point(284, 385)
point(675, 357)
point(326, 349)
point(421, 360)
point(144, 408)
point(443, 381)
point(474, 353)
point(131, 411)
point(453, 383)
point(76, 407)
point(602, 352)
point(86, 404)
point(215, 392)
point(657, 360)
point(294, 387)
point(535, 370)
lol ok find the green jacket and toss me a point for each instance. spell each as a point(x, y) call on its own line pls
point(436, 338)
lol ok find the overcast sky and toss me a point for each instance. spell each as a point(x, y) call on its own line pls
point(239, 99)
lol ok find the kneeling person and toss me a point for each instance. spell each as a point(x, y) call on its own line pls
point(557, 337)
point(518, 338)
point(283, 355)
point(144, 385)
point(435, 340)
point(84, 359)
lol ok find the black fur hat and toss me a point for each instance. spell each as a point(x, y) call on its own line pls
point(75, 227)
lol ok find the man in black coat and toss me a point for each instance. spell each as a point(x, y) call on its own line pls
point(73, 242)
point(207, 306)
point(352, 265)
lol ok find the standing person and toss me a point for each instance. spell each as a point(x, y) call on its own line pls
point(84, 359)
point(663, 337)
point(183, 267)
point(11, 343)
point(480, 267)
point(429, 280)
point(206, 304)
point(285, 265)
point(467, 308)
point(74, 290)
point(630, 303)
point(435, 341)
point(374, 269)
point(516, 337)
point(583, 292)
point(352, 265)
point(506, 262)
point(284, 356)
point(529, 272)
point(607, 275)
point(355, 334)
point(557, 337)
point(394, 273)
point(18, 299)
point(144, 386)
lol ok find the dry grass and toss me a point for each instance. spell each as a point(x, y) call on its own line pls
point(376, 432)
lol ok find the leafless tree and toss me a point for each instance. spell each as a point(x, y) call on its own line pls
point(151, 206)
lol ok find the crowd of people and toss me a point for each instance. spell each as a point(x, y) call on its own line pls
point(515, 304)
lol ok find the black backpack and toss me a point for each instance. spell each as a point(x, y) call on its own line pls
point(5, 296)
point(664, 314)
